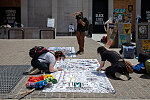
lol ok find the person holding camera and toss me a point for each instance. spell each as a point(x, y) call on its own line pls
point(80, 34)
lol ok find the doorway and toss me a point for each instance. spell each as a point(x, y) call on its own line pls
point(99, 15)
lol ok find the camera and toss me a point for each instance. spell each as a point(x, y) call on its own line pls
point(79, 17)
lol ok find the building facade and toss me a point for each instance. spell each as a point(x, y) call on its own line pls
point(34, 13)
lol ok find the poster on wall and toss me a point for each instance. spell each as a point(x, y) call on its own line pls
point(99, 18)
point(146, 45)
point(148, 15)
point(71, 28)
point(127, 28)
point(9, 15)
point(122, 39)
point(142, 31)
point(130, 8)
point(50, 22)
point(119, 11)
point(120, 16)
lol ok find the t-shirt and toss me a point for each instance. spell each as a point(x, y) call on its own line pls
point(47, 58)
point(111, 56)
point(80, 27)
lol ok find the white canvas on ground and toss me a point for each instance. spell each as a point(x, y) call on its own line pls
point(68, 51)
point(79, 75)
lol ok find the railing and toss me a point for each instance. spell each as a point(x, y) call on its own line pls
point(15, 30)
point(47, 30)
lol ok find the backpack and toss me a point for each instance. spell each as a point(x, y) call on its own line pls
point(128, 66)
point(104, 39)
point(86, 27)
point(36, 51)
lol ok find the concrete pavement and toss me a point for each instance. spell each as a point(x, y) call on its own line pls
point(15, 52)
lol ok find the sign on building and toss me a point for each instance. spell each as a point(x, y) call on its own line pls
point(142, 31)
point(71, 28)
point(127, 28)
point(99, 19)
point(146, 45)
point(50, 22)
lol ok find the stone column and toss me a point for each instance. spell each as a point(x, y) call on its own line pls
point(54, 12)
point(90, 11)
point(24, 12)
point(110, 8)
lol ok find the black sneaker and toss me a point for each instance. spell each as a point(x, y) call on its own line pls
point(78, 52)
point(81, 53)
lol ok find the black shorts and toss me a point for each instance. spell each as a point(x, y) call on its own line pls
point(40, 65)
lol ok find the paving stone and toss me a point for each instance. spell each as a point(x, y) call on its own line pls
point(83, 95)
point(91, 95)
point(49, 94)
point(69, 95)
point(98, 95)
point(63, 95)
point(136, 88)
point(42, 95)
point(77, 95)
point(132, 94)
point(56, 95)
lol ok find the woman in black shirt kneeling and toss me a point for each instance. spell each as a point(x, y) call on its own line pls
point(117, 68)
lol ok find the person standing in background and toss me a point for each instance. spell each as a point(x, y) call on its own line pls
point(80, 34)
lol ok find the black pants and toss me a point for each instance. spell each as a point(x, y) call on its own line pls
point(117, 67)
point(40, 65)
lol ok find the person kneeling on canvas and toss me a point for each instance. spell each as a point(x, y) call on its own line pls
point(46, 62)
point(117, 68)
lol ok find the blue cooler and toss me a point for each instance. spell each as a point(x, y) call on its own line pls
point(128, 52)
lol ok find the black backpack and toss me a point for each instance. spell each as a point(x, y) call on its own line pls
point(87, 24)
point(36, 51)
point(86, 27)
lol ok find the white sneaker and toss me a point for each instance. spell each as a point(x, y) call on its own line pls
point(32, 69)
point(122, 77)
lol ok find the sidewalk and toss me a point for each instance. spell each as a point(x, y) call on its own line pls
point(80, 99)
point(15, 52)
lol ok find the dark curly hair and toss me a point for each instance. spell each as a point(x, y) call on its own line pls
point(101, 49)
point(59, 54)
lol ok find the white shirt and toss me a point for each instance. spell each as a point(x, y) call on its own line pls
point(47, 58)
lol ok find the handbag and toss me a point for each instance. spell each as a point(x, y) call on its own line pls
point(129, 67)
point(128, 64)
